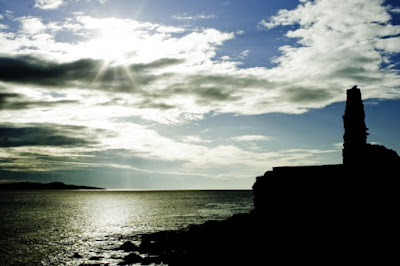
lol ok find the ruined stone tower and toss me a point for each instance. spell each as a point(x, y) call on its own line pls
point(355, 131)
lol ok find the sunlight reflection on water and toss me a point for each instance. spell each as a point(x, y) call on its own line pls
point(49, 227)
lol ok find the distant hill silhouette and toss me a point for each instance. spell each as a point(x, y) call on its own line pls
point(39, 186)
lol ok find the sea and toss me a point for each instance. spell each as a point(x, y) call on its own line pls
point(49, 227)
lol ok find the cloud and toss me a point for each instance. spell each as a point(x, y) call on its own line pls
point(103, 2)
point(245, 53)
point(33, 70)
point(250, 138)
point(390, 45)
point(395, 10)
point(14, 101)
point(297, 94)
point(171, 74)
point(92, 73)
point(31, 25)
point(54, 4)
point(195, 139)
point(195, 17)
point(337, 44)
point(48, 4)
point(46, 147)
point(41, 135)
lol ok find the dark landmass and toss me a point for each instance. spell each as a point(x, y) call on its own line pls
point(243, 239)
point(344, 214)
point(247, 240)
point(254, 239)
point(228, 242)
point(41, 186)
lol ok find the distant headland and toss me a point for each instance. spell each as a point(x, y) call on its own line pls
point(41, 186)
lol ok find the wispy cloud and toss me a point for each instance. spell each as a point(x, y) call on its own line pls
point(48, 4)
point(194, 17)
point(195, 139)
point(250, 138)
point(395, 10)
point(54, 4)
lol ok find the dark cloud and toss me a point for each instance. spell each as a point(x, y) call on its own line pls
point(43, 135)
point(160, 63)
point(155, 105)
point(5, 99)
point(214, 94)
point(358, 75)
point(247, 81)
point(14, 101)
point(305, 95)
point(37, 71)
point(32, 70)
point(210, 88)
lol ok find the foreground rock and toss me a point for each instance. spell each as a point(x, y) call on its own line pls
point(243, 239)
point(132, 259)
point(129, 246)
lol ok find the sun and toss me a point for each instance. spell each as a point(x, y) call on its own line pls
point(113, 40)
point(114, 45)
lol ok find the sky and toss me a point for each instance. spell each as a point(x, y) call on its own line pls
point(179, 94)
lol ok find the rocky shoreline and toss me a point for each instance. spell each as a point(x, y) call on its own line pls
point(254, 239)
point(243, 239)
point(212, 243)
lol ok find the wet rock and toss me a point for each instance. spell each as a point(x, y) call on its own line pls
point(151, 260)
point(131, 258)
point(96, 258)
point(77, 255)
point(129, 246)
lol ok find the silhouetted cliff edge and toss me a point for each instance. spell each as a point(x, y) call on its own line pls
point(39, 186)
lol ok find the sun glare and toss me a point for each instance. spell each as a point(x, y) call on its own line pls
point(114, 45)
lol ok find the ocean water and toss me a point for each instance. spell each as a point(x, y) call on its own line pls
point(49, 227)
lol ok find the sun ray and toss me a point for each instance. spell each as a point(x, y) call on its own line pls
point(101, 71)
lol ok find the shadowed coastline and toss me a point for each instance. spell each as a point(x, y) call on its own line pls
point(344, 214)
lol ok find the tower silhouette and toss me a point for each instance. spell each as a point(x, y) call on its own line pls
point(355, 130)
